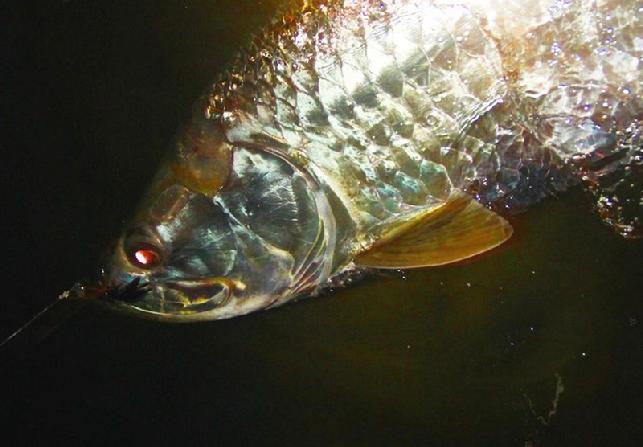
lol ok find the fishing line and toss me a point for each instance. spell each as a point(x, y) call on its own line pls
point(67, 304)
point(48, 319)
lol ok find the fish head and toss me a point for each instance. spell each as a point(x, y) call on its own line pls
point(260, 238)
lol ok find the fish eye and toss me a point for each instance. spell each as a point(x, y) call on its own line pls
point(143, 248)
point(145, 256)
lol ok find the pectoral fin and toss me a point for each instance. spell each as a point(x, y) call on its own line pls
point(456, 230)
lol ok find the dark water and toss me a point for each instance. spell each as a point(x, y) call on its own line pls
point(470, 354)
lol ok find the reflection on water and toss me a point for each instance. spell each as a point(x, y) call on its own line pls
point(535, 343)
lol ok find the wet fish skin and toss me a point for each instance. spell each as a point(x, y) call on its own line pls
point(375, 92)
point(354, 115)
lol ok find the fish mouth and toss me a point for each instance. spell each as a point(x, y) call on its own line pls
point(197, 295)
point(174, 297)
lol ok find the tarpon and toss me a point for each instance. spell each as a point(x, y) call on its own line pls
point(385, 134)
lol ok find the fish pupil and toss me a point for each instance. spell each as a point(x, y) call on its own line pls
point(146, 257)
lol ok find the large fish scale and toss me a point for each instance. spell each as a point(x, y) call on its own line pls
point(392, 104)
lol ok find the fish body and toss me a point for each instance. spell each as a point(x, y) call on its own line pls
point(386, 134)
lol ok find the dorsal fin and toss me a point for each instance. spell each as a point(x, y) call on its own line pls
point(456, 230)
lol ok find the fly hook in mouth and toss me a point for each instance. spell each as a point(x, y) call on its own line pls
point(128, 292)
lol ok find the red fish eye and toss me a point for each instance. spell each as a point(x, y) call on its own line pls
point(146, 257)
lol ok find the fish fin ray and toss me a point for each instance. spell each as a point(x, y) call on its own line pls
point(458, 229)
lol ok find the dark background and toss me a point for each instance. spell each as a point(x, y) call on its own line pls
point(91, 93)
